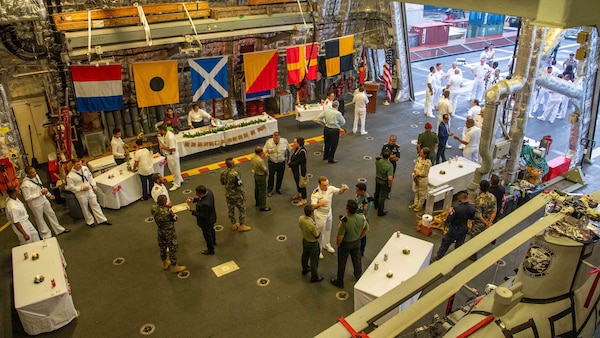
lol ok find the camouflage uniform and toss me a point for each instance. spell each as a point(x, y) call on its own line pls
point(234, 194)
point(485, 206)
point(167, 237)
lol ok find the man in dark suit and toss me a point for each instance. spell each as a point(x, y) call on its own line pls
point(206, 216)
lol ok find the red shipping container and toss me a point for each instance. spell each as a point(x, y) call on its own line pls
point(458, 23)
point(557, 167)
point(431, 32)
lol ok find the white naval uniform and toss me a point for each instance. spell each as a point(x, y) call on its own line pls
point(429, 95)
point(360, 101)
point(39, 205)
point(323, 216)
point(160, 189)
point(480, 71)
point(118, 148)
point(471, 150)
point(75, 183)
point(172, 157)
point(438, 76)
point(16, 213)
point(328, 104)
point(455, 81)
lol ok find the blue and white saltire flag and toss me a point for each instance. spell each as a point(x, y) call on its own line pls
point(209, 78)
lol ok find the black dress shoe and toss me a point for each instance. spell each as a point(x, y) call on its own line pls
point(106, 223)
point(206, 252)
point(91, 225)
point(280, 192)
point(214, 243)
point(269, 194)
point(333, 161)
point(265, 209)
point(305, 272)
point(65, 231)
point(336, 283)
point(382, 213)
point(320, 279)
point(473, 258)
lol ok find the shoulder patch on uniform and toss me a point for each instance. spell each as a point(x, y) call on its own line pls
point(316, 190)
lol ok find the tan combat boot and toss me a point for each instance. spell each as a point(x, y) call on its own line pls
point(243, 228)
point(178, 268)
point(166, 264)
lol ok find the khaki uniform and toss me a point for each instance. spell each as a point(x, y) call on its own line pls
point(419, 187)
point(234, 194)
point(259, 168)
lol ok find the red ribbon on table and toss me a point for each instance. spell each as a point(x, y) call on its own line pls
point(116, 189)
point(593, 288)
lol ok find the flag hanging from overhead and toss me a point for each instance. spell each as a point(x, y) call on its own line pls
point(260, 70)
point(387, 79)
point(97, 88)
point(156, 83)
point(302, 60)
point(209, 78)
point(339, 55)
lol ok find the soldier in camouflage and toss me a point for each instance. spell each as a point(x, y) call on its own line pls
point(234, 195)
point(485, 211)
point(167, 237)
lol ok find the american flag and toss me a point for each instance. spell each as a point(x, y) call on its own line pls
point(387, 79)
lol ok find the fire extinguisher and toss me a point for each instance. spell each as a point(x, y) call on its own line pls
point(545, 143)
point(350, 83)
point(339, 89)
point(331, 88)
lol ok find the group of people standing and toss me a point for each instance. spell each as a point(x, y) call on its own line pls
point(555, 104)
point(487, 210)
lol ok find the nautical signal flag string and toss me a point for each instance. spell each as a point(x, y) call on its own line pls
point(260, 70)
point(302, 63)
point(339, 55)
point(156, 83)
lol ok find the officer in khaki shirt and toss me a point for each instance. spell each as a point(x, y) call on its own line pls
point(259, 168)
point(351, 229)
point(310, 244)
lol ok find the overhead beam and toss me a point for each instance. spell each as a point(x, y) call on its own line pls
point(178, 29)
point(80, 52)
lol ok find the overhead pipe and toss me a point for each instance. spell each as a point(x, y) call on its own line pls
point(500, 91)
point(541, 47)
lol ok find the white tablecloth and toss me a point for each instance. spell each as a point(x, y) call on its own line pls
point(310, 113)
point(41, 307)
point(188, 146)
point(122, 190)
point(458, 178)
point(374, 283)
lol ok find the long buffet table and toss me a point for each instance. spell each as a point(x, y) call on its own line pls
point(125, 187)
point(42, 307)
point(192, 145)
point(374, 283)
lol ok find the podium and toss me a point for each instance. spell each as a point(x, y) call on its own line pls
point(372, 88)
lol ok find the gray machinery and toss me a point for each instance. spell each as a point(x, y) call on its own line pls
point(554, 292)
